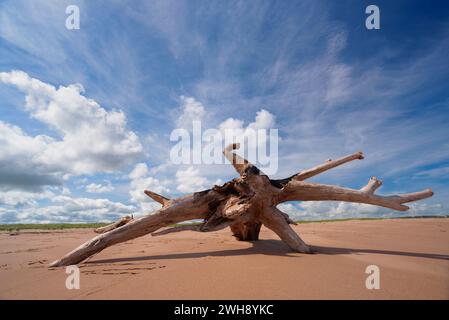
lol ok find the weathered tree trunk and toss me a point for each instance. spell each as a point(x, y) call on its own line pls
point(243, 204)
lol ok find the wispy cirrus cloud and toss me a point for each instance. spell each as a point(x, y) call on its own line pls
point(330, 87)
point(99, 188)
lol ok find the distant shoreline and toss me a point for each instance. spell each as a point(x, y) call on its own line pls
point(61, 226)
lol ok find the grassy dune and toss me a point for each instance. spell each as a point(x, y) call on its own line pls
point(48, 226)
point(367, 219)
point(60, 226)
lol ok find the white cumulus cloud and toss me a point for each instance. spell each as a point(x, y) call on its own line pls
point(190, 180)
point(13, 198)
point(62, 208)
point(191, 110)
point(89, 139)
point(99, 188)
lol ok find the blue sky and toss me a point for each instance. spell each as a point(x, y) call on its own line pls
point(86, 115)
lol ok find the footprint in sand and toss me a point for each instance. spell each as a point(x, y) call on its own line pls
point(121, 271)
point(38, 264)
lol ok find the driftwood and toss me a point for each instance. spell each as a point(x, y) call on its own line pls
point(244, 204)
point(115, 225)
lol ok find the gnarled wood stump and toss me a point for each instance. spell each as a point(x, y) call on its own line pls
point(243, 204)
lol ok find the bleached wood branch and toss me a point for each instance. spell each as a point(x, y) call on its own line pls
point(158, 198)
point(240, 164)
point(122, 221)
point(306, 174)
point(372, 185)
point(275, 220)
point(303, 191)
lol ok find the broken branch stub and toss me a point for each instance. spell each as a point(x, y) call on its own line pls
point(115, 225)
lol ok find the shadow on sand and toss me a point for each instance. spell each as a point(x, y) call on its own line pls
point(269, 247)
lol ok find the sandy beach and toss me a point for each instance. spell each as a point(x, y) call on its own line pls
point(412, 256)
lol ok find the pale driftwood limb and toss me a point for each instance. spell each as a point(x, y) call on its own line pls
point(306, 174)
point(194, 206)
point(373, 185)
point(158, 198)
point(122, 221)
point(240, 164)
point(303, 191)
point(275, 220)
point(243, 204)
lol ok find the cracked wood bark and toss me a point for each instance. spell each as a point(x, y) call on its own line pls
point(244, 204)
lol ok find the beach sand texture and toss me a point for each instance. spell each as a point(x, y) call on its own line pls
point(412, 255)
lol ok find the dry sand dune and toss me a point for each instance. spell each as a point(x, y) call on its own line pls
point(412, 254)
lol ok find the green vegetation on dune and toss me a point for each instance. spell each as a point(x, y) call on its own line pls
point(60, 226)
point(367, 219)
point(48, 226)
point(339, 220)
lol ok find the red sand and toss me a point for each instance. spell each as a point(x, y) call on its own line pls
point(412, 254)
